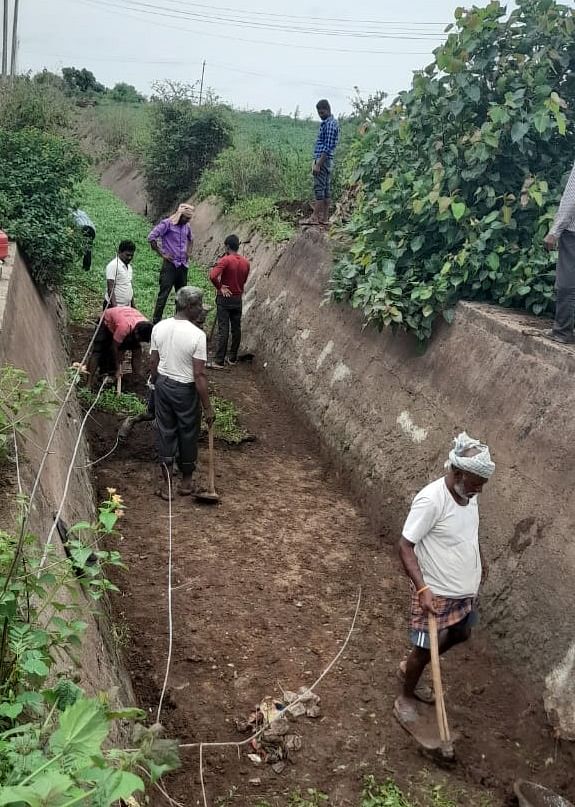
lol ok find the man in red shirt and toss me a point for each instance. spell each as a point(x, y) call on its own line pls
point(229, 276)
point(122, 328)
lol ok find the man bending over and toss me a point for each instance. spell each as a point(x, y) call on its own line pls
point(122, 328)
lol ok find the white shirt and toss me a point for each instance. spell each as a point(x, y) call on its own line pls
point(178, 341)
point(446, 539)
point(117, 271)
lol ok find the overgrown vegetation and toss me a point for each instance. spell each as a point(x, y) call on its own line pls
point(184, 141)
point(27, 103)
point(114, 221)
point(227, 426)
point(20, 402)
point(38, 183)
point(51, 734)
point(265, 216)
point(460, 177)
point(126, 403)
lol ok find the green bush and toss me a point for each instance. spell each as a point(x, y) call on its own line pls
point(256, 169)
point(184, 140)
point(33, 103)
point(39, 173)
point(126, 93)
point(262, 212)
point(460, 177)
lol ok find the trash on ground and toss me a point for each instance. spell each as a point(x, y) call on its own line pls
point(275, 721)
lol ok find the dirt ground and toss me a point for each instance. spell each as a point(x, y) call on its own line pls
point(266, 587)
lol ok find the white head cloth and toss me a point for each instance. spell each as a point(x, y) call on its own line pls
point(188, 210)
point(480, 464)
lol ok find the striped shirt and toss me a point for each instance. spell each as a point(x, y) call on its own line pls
point(565, 217)
point(327, 138)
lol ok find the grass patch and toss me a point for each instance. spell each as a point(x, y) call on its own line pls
point(227, 426)
point(126, 403)
point(114, 221)
point(261, 211)
point(425, 793)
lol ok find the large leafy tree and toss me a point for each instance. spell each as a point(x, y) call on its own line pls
point(459, 178)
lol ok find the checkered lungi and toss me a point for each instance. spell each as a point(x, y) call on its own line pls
point(450, 612)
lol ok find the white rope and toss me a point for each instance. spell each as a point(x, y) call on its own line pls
point(170, 615)
point(65, 400)
point(17, 460)
point(100, 459)
point(68, 477)
point(299, 699)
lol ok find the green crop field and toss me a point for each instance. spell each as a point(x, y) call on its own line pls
point(114, 221)
point(125, 128)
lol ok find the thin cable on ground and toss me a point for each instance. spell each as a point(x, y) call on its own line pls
point(299, 699)
point(68, 477)
point(46, 450)
point(170, 616)
point(17, 460)
point(162, 790)
point(100, 459)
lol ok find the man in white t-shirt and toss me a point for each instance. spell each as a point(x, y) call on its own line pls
point(178, 354)
point(440, 552)
point(119, 289)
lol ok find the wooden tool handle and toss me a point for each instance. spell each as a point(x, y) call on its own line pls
point(437, 683)
point(211, 470)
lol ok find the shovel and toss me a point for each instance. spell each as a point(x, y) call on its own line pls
point(210, 496)
point(447, 751)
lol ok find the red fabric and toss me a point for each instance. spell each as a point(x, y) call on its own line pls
point(231, 271)
point(121, 321)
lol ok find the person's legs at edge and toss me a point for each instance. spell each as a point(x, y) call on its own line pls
point(223, 332)
point(166, 430)
point(565, 289)
point(235, 315)
point(189, 423)
point(167, 280)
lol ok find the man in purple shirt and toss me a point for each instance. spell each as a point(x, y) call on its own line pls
point(176, 239)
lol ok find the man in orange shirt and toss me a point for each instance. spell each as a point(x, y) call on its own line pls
point(229, 276)
point(122, 328)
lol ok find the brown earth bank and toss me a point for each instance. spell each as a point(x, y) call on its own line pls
point(265, 587)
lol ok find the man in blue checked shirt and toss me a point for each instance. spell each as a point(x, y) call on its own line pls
point(322, 167)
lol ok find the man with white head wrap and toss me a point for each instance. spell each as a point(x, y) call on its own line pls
point(440, 552)
point(172, 239)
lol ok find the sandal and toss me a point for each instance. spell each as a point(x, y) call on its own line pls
point(423, 692)
point(186, 491)
point(162, 493)
point(405, 713)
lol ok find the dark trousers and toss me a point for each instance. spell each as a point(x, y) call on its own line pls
point(171, 276)
point(229, 317)
point(178, 421)
point(565, 288)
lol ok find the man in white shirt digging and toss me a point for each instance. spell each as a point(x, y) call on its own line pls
point(440, 552)
point(119, 289)
point(178, 354)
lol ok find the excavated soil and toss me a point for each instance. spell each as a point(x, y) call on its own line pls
point(266, 585)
